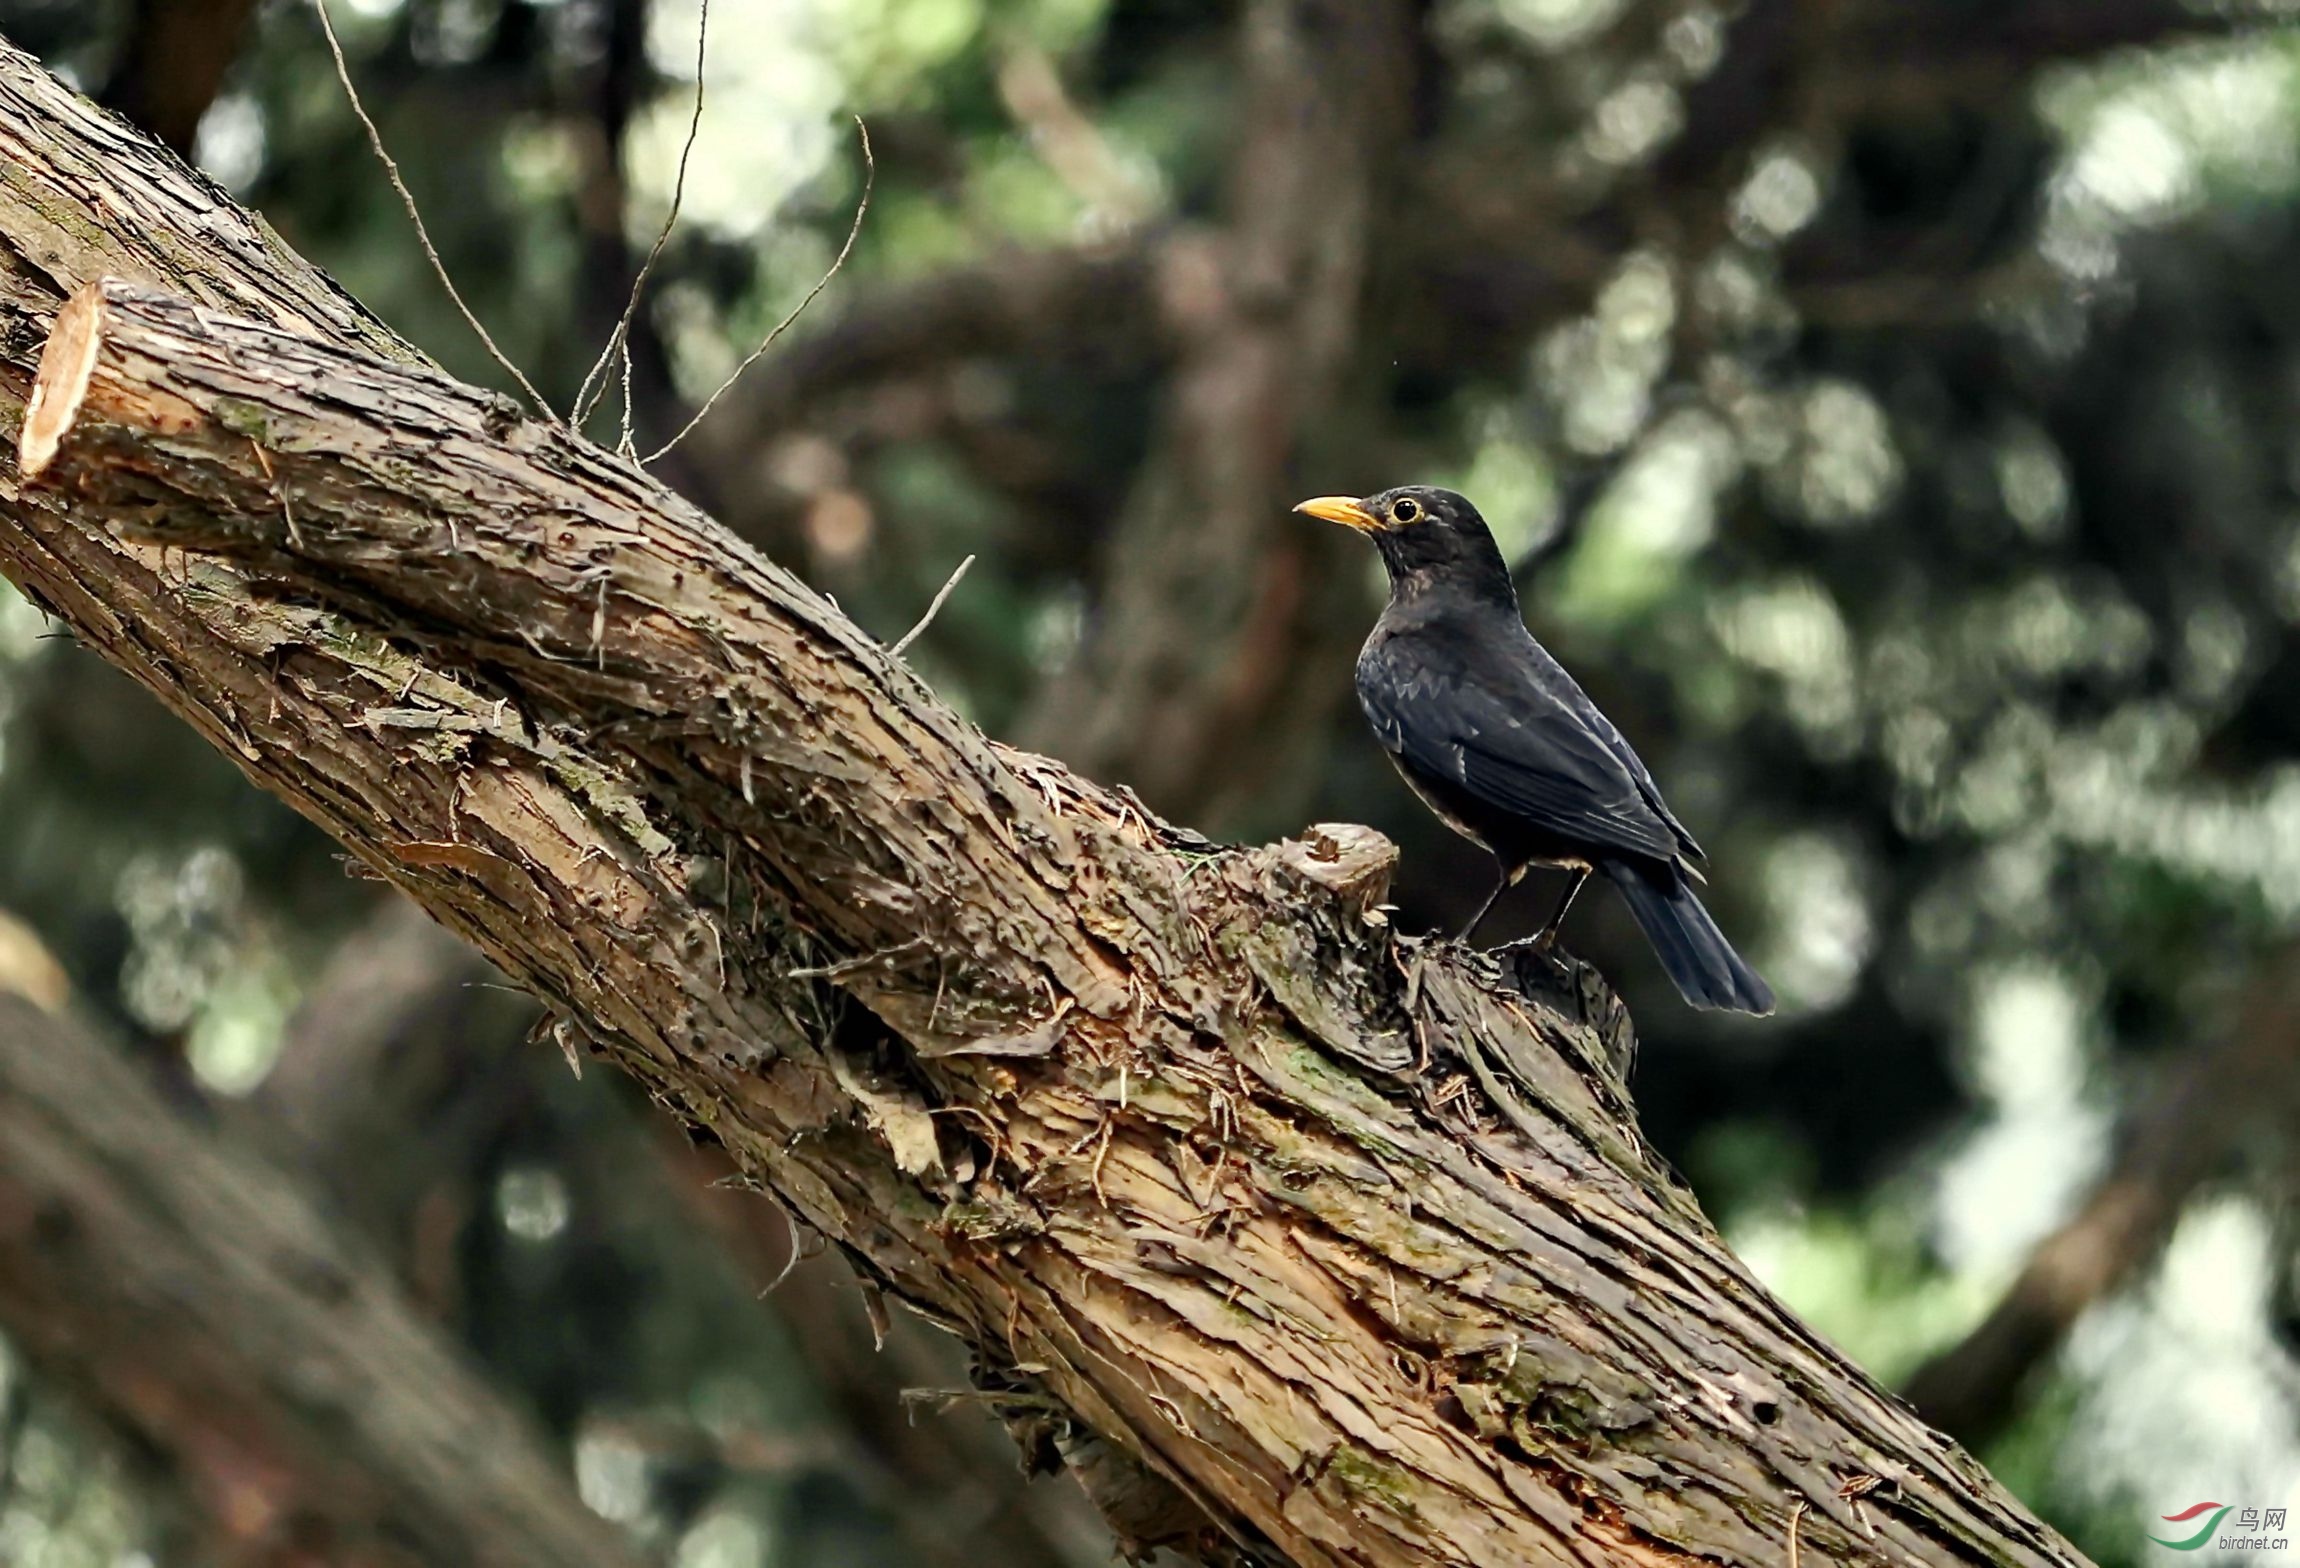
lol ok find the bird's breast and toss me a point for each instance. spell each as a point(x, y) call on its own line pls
point(1436, 797)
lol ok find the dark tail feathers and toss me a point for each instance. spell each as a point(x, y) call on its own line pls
point(1707, 970)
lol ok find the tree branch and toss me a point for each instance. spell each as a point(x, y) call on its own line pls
point(1202, 585)
point(388, 1096)
point(177, 55)
point(1149, 1125)
point(187, 1292)
point(2181, 1135)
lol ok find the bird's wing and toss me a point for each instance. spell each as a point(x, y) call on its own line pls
point(1618, 744)
point(1525, 750)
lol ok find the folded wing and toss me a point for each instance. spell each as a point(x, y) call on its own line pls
point(1520, 748)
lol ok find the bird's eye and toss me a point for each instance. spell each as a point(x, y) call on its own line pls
point(1406, 510)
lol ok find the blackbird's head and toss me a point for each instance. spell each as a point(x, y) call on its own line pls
point(1429, 538)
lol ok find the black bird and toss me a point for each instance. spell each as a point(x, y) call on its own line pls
point(1497, 739)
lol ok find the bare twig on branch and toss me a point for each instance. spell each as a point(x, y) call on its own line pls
point(618, 341)
point(1140, 1122)
point(415, 213)
point(854, 230)
point(933, 609)
point(599, 123)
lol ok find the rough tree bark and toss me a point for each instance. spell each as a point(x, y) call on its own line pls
point(1294, 1237)
point(187, 1293)
point(389, 1091)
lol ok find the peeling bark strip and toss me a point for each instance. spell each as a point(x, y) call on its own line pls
point(1282, 1231)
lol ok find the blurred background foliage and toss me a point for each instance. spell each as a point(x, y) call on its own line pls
point(1895, 411)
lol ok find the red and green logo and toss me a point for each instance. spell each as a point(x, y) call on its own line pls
point(2218, 1511)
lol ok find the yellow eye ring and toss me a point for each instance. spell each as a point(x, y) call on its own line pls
point(1406, 510)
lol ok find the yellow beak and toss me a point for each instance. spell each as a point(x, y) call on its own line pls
point(1343, 509)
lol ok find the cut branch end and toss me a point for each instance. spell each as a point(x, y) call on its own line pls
point(61, 385)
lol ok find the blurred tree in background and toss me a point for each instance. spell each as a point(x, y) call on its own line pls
point(1895, 410)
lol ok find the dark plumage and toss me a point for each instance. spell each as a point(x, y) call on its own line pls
point(1498, 740)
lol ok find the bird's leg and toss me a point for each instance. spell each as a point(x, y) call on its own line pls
point(1548, 938)
point(1509, 879)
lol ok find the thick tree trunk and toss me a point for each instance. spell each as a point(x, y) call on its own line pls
point(1294, 1236)
point(177, 55)
point(1208, 583)
point(185, 1291)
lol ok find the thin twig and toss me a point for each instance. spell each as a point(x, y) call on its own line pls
point(287, 512)
point(415, 215)
point(1796, 1518)
point(587, 398)
point(870, 178)
point(847, 966)
point(932, 611)
point(798, 1246)
point(624, 446)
